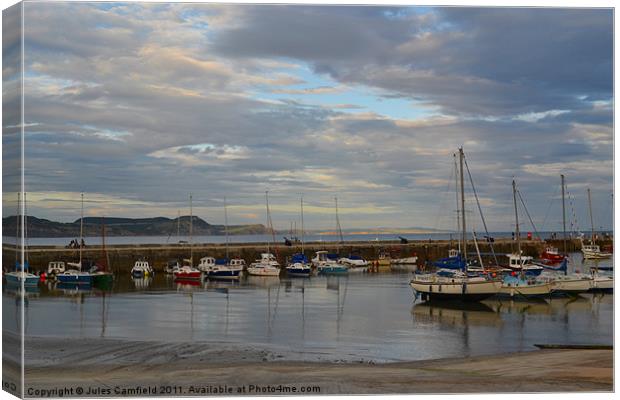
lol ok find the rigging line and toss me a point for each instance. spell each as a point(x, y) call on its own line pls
point(442, 200)
point(557, 189)
point(484, 223)
point(528, 215)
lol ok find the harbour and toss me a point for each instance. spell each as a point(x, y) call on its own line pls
point(347, 322)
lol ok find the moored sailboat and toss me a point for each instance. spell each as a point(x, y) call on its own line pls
point(452, 284)
point(298, 265)
point(75, 275)
point(267, 265)
point(227, 269)
point(187, 271)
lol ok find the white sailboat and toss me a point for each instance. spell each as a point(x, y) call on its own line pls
point(267, 265)
point(455, 284)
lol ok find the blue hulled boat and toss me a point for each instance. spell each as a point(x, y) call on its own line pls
point(299, 266)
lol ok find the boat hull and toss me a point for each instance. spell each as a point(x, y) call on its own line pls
point(572, 285)
point(82, 279)
point(533, 290)
point(263, 271)
point(588, 255)
point(188, 276)
point(603, 284)
point(225, 274)
point(470, 291)
point(298, 272)
point(17, 279)
point(103, 279)
point(333, 270)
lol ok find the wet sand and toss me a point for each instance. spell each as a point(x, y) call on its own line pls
point(116, 364)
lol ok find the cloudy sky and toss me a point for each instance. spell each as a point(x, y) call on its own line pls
point(137, 105)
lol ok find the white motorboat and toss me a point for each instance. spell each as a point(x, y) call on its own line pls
point(266, 266)
point(405, 261)
point(141, 269)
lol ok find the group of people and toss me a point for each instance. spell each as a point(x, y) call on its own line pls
point(76, 244)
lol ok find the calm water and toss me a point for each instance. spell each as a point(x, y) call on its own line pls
point(365, 316)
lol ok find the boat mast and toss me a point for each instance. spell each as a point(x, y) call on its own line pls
point(563, 215)
point(226, 226)
point(268, 217)
point(591, 218)
point(191, 232)
point(463, 226)
point(514, 197)
point(178, 225)
point(104, 253)
point(81, 228)
point(338, 221)
point(458, 206)
point(302, 224)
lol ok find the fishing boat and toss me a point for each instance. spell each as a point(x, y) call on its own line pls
point(75, 275)
point(456, 284)
point(141, 269)
point(225, 268)
point(592, 250)
point(523, 280)
point(55, 267)
point(520, 263)
point(551, 256)
point(267, 265)
point(171, 266)
point(206, 264)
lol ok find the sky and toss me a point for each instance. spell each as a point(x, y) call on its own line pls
point(138, 105)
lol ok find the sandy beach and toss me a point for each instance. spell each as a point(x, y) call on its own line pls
point(102, 367)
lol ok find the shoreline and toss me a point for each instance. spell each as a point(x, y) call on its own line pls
point(110, 363)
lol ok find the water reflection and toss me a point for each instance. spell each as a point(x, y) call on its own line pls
point(474, 314)
point(368, 316)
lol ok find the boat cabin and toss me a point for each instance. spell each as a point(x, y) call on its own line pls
point(207, 262)
point(237, 262)
point(518, 260)
point(55, 267)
